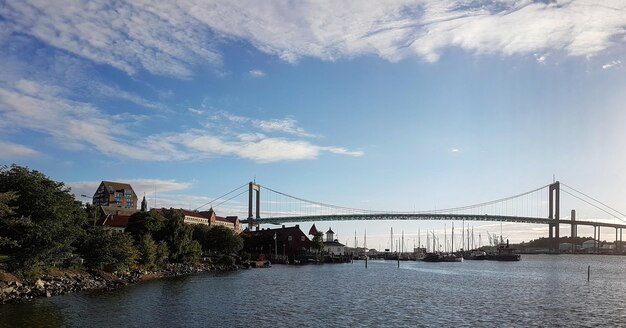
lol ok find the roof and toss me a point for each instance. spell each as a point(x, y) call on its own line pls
point(333, 243)
point(330, 231)
point(269, 233)
point(184, 212)
point(120, 221)
point(113, 186)
point(231, 219)
point(313, 231)
point(113, 210)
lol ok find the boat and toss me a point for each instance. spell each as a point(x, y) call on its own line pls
point(505, 253)
point(442, 257)
point(475, 255)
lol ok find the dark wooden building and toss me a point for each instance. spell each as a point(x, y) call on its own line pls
point(285, 241)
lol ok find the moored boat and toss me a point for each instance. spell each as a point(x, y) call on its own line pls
point(505, 253)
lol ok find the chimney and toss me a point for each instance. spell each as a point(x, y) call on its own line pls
point(297, 226)
point(283, 226)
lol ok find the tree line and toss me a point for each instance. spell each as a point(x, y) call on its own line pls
point(42, 225)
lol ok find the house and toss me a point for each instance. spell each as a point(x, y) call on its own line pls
point(206, 217)
point(114, 218)
point(231, 222)
point(115, 194)
point(286, 241)
point(333, 246)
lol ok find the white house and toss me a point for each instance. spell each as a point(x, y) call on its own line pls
point(333, 246)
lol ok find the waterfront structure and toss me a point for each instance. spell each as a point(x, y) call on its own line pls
point(333, 246)
point(285, 241)
point(116, 194)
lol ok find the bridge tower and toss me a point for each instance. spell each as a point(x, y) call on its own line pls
point(252, 187)
point(554, 206)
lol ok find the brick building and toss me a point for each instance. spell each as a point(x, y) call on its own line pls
point(115, 194)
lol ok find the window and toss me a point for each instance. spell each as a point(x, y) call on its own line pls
point(301, 238)
point(289, 238)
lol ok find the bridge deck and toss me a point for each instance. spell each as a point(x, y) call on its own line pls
point(426, 216)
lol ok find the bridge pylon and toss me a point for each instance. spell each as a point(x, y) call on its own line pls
point(252, 187)
point(554, 207)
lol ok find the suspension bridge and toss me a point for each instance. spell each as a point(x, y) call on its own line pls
point(538, 206)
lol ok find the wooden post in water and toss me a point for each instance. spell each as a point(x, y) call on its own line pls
point(398, 261)
point(366, 262)
point(588, 272)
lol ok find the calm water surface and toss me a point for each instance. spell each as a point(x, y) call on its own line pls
point(539, 291)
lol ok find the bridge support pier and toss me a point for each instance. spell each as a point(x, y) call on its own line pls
point(615, 243)
point(252, 187)
point(554, 207)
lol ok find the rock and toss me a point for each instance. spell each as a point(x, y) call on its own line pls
point(7, 277)
point(8, 290)
point(48, 294)
point(39, 283)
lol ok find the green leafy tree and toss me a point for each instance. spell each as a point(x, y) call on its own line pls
point(223, 240)
point(44, 221)
point(191, 251)
point(318, 242)
point(178, 235)
point(148, 249)
point(162, 254)
point(6, 212)
point(104, 248)
point(142, 223)
point(201, 234)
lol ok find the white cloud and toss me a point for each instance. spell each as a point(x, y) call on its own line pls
point(195, 111)
point(454, 150)
point(39, 107)
point(170, 38)
point(287, 125)
point(257, 147)
point(612, 64)
point(77, 125)
point(257, 73)
point(9, 150)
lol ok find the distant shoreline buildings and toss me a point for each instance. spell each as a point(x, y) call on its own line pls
point(117, 201)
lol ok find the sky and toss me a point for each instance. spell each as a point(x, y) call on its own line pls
point(386, 105)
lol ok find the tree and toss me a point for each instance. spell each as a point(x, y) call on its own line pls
point(142, 223)
point(105, 248)
point(201, 234)
point(223, 240)
point(318, 242)
point(148, 249)
point(178, 235)
point(44, 221)
point(6, 211)
point(162, 254)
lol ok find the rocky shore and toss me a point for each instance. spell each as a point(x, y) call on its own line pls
point(65, 281)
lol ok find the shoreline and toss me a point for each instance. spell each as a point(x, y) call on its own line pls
point(67, 281)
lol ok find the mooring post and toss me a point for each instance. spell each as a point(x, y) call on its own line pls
point(398, 260)
point(588, 272)
point(366, 262)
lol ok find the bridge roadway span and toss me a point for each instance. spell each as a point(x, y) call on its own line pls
point(426, 216)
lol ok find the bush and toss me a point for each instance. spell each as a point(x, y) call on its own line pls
point(148, 249)
point(226, 260)
point(107, 248)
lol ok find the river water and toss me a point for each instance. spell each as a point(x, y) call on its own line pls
point(539, 291)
